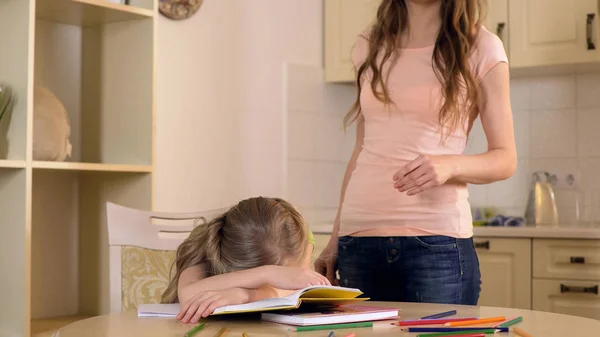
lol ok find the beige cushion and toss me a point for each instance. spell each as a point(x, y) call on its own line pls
point(145, 275)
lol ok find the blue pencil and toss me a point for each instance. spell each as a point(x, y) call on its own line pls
point(434, 329)
point(441, 314)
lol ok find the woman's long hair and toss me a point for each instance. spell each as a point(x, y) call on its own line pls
point(256, 232)
point(460, 21)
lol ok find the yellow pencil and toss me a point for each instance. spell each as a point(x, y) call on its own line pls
point(221, 332)
point(244, 334)
point(521, 332)
point(477, 321)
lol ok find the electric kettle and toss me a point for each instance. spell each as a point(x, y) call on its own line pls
point(541, 206)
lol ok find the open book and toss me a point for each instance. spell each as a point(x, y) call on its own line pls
point(315, 295)
point(337, 315)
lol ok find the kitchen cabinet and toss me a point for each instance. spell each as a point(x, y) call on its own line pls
point(578, 298)
point(321, 242)
point(505, 266)
point(496, 21)
point(553, 32)
point(344, 21)
point(537, 34)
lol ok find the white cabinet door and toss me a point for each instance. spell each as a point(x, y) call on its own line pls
point(496, 21)
point(505, 272)
point(344, 21)
point(552, 32)
point(577, 298)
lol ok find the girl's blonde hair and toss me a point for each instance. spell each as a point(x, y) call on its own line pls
point(256, 232)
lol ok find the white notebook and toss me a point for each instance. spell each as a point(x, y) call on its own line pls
point(158, 310)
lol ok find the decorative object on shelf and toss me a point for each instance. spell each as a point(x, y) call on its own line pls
point(51, 127)
point(179, 9)
point(7, 100)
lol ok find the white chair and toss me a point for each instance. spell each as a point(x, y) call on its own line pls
point(142, 253)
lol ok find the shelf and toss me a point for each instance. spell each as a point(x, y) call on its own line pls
point(47, 327)
point(69, 166)
point(12, 163)
point(88, 13)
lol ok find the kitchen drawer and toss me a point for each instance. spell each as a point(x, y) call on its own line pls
point(321, 242)
point(578, 298)
point(566, 259)
point(505, 266)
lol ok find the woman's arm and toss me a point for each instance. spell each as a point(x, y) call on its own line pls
point(360, 136)
point(499, 162)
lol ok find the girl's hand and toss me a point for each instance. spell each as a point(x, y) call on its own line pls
point(423, 173)
point(290, 278)
point(204, 303)
point(326, 264)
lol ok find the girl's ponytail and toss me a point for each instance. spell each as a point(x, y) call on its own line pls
point(202, 245)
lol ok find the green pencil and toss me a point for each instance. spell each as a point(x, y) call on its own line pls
point(333, 326)
point(464, 332)
point(194, 330)
point(511, 322)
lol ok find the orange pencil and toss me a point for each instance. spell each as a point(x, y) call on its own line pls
point(521, 332)
point(477, 321)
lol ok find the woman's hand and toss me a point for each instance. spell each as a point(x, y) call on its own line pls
point(204, 303)
point(326, 264)
point(423, 173)
point(293, 278)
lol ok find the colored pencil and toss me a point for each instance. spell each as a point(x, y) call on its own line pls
point(333, 326)
point(244, 334)
point(440, 315)
point(221, 332)
point(194, 330)
point(331, 334)
point(448, 329)
point(458, 333)
point(477, 321)
point(352, 334)
point(432, 321)
point(511, 322)
point(521, 332)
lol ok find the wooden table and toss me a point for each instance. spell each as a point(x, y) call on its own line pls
point(538, 324)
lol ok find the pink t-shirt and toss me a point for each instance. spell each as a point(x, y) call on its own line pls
point(398, 133)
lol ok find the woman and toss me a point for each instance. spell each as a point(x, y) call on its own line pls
point(425, 70)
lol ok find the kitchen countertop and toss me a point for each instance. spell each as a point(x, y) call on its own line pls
point(561, 232)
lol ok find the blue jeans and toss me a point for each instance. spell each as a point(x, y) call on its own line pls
point(431, 269)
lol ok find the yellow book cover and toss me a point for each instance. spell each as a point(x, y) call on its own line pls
point(315, 295)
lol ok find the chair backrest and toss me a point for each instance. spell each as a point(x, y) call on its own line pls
point(142, 252)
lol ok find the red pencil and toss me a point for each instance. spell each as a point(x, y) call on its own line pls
point(418, 322)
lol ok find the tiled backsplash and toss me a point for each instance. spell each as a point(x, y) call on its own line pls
point(557, 129)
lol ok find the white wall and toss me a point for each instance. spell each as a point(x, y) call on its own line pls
point(220, 134)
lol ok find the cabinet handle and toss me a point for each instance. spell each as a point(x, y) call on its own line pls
point(500, 30)
point(482, 245)
point(568, 289)
point(589, 31)
point(577, 260)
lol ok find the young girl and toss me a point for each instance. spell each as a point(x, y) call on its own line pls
point(426, 70)
point(260, 248)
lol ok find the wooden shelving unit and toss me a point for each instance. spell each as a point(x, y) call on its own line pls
point(99, 59)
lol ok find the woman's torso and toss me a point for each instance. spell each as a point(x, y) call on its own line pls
point(395, 135)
